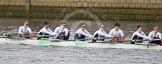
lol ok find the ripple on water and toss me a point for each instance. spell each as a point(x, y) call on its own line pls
point(21, 54)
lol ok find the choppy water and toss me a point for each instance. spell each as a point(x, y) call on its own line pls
point(21, 54)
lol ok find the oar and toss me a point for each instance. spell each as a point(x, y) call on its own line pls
point(128, 42)
point(44, 43)
point(85, 43)
point(3, 37)
point(7, 35)
point(136, 42)
point(133, 40)
point(91, 39)
point(16, 33)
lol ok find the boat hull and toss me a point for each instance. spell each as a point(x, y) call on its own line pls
point(73, 44)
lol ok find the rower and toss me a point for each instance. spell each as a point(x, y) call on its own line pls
point(61, 32)
point(155, 34)
point(139, 35)
point(45, 31)
point(117, 34)
point(25, 30)
point(82, 33)
point(100, 34)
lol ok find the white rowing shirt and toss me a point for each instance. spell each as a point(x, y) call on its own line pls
point(46, 31)
point(153, 34)
point(116, 33)
point(25, 30)
point(83, 32)
point(59, 30)
point(101, 33)
point(140, 34)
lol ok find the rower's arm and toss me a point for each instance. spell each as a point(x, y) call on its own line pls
point(30, 31)
point(56, 31)
point(66, 31)
point(88, 34)
point(104, 34)
point(50, 32)
point(111, 33)
point(20, 32)
point(85, 34)
point(160, 36)
point(45, 31)
point(150, 35)
point(121, 32)
point(144, 36)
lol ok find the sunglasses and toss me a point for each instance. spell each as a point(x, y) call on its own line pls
point(102, 27)
point(157, 29)
point(27, 24)
point(64, 25)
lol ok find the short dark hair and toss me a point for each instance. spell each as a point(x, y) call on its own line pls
point(46, 23)
point(117, 24)
point(62, 23)
point(139, 26)
point(82, 24)
point(101, 25)
point(155, 27)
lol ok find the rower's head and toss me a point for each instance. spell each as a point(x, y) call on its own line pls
point(156, 28)
point(117, 26)
point(139, 28)
point(82, 26)
point(46, 24)
point(26, 24)
point(63, 24)
point(101, 27)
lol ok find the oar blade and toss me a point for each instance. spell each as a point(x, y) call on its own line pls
point(80, 43)
point(44, 43)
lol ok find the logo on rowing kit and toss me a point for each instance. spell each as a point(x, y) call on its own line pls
point(91, 23)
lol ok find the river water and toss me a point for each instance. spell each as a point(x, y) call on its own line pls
point(26, 54)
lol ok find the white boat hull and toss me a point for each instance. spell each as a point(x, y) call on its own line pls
point(73, 44)
point(109, 45)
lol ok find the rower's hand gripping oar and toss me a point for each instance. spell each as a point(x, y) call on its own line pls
point(44, 36)
point(6, 35)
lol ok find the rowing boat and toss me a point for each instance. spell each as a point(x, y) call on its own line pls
point(35, 42)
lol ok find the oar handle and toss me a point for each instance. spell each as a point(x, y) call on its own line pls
point(6, 35)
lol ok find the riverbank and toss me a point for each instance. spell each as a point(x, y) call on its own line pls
point(145, 10)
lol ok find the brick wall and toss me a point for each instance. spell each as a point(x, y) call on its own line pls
point(149, 10)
